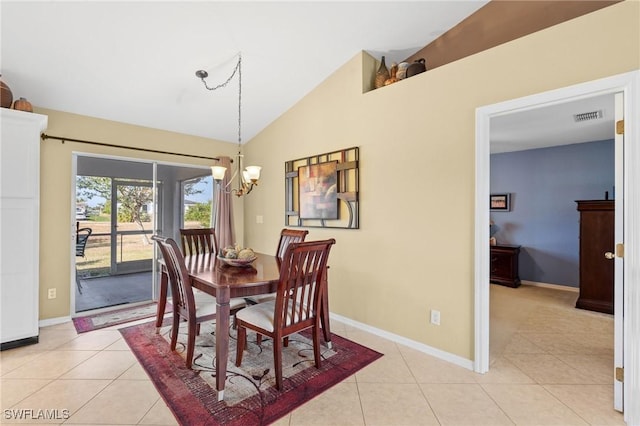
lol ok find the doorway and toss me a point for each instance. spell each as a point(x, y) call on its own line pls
point(629, 85)
point(124, 202)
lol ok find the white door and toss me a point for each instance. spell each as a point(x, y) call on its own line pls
point(618, 293)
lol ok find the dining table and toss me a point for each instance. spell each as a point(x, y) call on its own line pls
point(211, 275)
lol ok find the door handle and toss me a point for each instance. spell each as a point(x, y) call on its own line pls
point(609, 255)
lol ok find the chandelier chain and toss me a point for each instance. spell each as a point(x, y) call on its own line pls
point(237, 69)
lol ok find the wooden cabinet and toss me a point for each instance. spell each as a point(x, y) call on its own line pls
point(596, 238)
point(504, 265)
point(19, 226)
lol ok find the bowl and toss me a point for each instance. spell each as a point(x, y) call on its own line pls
point(237, 262)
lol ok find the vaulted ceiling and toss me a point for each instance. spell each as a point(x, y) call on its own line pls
point(135, 62)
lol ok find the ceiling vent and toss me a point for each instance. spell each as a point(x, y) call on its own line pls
point(588, 116)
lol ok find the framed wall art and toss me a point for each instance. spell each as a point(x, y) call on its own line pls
point(322, 190)
point(500, 202)
point(318, 189)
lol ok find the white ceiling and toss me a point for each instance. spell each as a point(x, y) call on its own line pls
point(553, 125)
point(135, 62)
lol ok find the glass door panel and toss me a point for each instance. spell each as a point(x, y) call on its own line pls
point(132, 247)
point(197, 195)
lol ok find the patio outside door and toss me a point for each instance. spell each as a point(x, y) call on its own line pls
point(132, 226)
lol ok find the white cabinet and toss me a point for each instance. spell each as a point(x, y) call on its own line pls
point(19, 226)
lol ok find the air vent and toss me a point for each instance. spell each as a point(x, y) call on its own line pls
point(587, 116)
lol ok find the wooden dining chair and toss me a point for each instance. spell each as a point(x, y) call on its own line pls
point(204, 241)
point(297, 305)
point(287, 236)
point(184, 303)
point(198, 241)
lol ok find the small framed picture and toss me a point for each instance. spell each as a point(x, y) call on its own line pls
point(500, 202)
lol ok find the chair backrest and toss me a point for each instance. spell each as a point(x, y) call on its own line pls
point(199, 241)
point(181, 290)
point(82, 235)
point(288, 236)
point(302, 285)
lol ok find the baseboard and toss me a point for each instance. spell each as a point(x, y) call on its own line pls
point(553, 286)
point(53, 321)
point(429, 350)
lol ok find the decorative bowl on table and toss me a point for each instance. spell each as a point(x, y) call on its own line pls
point(235, 256)
point(237, 262)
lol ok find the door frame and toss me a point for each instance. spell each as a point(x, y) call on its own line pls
point(629, 84)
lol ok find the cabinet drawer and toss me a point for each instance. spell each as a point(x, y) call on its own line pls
point(501, 264)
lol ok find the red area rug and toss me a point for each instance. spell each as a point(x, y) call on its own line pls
point(250, 394)
point(116, 317)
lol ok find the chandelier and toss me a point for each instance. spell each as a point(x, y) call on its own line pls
point(247, 177)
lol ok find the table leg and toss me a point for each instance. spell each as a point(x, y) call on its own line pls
point(222, 339)
point(324, 313)
point(162, 298)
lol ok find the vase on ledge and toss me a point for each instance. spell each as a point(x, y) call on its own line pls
point(381, 75)
point(23, 104)
point(6, 96)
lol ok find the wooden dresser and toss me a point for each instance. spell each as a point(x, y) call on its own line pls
point(504, 265)
point(596, 238)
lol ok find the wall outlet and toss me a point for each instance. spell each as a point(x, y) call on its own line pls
point(51, 294)
point(259, 219)
point(435, 317)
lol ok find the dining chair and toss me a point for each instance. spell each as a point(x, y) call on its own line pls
point(82, 236)
point(198, 241)
point(204, 241)
point(184, 303)
point(297, 305)
point(287, 236)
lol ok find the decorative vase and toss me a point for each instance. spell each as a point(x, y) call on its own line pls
point(6, 97)
point(417, 67)
point(23, 105)
point(402, 70)
point(381, 75)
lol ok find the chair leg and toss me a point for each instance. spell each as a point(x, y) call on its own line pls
point(78, 283)
point(277, 360)
point(174, 330)
point(242, 339)
point(258, 339)
point(316, 346)
point(191, 342)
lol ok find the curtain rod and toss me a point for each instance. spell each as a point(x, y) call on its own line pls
point(44, 136)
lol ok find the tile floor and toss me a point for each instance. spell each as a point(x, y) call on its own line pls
point(550, 365)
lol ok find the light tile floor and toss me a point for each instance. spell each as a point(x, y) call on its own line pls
point(550, 365)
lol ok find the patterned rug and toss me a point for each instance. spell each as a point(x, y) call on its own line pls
point(120, 316)
point(250, 394)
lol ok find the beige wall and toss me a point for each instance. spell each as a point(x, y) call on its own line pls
point(414, 251)
point(55, 186)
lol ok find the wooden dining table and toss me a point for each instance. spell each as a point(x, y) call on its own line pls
point(212, 276)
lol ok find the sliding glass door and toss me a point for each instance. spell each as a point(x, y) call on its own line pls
point(124, 202)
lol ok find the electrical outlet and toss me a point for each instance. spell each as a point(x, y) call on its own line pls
point(259, 219)
point(435, 317)
point(51, 293)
